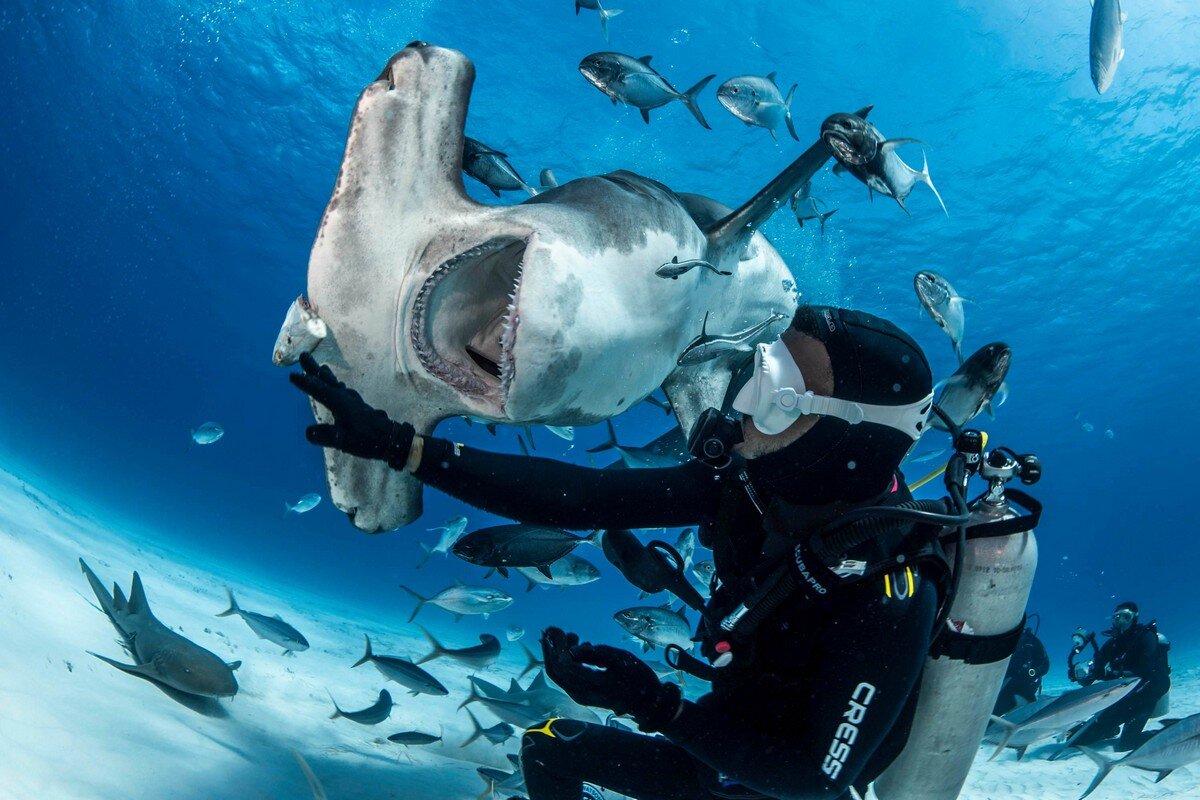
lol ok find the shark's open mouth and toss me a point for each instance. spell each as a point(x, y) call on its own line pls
point(465, 318)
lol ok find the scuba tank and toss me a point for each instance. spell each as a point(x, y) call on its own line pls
point(967, 663)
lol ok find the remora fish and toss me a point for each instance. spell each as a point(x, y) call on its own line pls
point(1105, 50)
point(944, 305)
point(499, 733)
point(668, 450)
point(380, 710)
point(491, 168)
point(273, 629)
point(461, 600)
point(605, 13)
point(973, 385)
point(505, 546)
point(452, 531)
point(656, 626)
point(1068, 710)
point(674, 268)
point(806, 207)
point(407, 738)
point(706, 346)
point(566, 432)
point(306, 503)
point(758, 101)
point(1166, 751)
point(925, 457)
point(403, 672)
point(478, 655)
point(862, 151)
point(570, 570)
point(160, 654)
point(301, 332)
point(207, 433)
point(634, 82)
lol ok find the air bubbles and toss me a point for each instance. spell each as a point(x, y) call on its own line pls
point(852, 465)
point(1108, 434)
point(895, 387)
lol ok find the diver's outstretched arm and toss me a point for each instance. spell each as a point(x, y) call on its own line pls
point(542, 491)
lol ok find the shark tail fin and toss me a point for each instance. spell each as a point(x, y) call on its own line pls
point(1009, 729)
point(1103, 767)
point(608, 445)
point(477, 731)
point(337, 711)
point(532, 662)
point(367, 654)
point(605, 15)
point(923, 176)
point(233, 606)
point(438, 650)
point(421, 601)
point(102, 595)
point(787, 111)
point(689, 100)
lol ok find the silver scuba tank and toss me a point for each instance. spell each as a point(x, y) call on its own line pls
point(957, 697)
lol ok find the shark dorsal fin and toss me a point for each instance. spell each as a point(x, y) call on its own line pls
point(137, 597)
point(538, 683)
point(771, 77)
point(514, 686)
point(862, 112)
point(645, 60)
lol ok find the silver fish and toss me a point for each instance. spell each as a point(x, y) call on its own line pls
point(491, 168)
point(656, 626)
point(704, 572)
point(674, 268)
point(408, 738)
point(374, 714)
point(605, 13)
point(207, 433)
point(403, 672)
point(706, 346)
point(452, 531)
point(685, 544)
point(514, 632)
point(499, 733)
point(944, 305)
point(477, 656)
point(306, 503)
point(634, 82)
point(301, 332)
point(1061, 714)
point(1176, 745)
point(668, 450)
point(570, 570)
point(1105, 49)
point(461, 600)
point(566, 432)
point(757, 101)
point(806, 208)
point(160, 654)
point(974, 385)
point(273, 629)
point(926, 457)
point(862, 151)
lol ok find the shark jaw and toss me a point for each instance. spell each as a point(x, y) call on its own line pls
point(465, 318)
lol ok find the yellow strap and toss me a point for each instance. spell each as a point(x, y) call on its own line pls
point(545, 727)
point(908, 571)
point(887, 585)
point(941, 469)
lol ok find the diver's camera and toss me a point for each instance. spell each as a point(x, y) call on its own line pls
point(713, 438)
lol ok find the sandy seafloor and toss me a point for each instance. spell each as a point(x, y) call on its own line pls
point(73, 727)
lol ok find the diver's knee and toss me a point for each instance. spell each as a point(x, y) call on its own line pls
point(555, 729)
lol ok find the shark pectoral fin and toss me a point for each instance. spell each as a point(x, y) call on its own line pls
point(233, 665)
point(141, 670)
point(892, 144)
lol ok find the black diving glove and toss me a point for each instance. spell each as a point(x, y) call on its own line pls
point(608, 677)
point(357, 429)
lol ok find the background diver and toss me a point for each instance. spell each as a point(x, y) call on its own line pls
point(1023, 678)
point(820, 696)
point(1132, 650)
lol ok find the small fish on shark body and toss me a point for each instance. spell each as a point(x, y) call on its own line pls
point(207, 433)
point(273, 628)
point(757, 101)
point(477, 656)
point(634, 82)
point(944, 305)
point(708, 346)
point(452, 531)
point(461, 600)
point(862, 151)
point(403, 672)
point(605, 13)
point(806, 208)
point(491, 168)
point(674, 268)
point(374, 714)
point(306, 503)
point(301, 332)
point(509, 546)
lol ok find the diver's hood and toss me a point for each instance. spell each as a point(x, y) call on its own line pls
point(845, 456)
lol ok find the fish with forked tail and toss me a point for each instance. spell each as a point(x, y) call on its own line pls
point(374, 714)
point(634, 82)
point(273, 629)
point(974, 386)
point(477, 656)
point(403, 672)
point(863, 151)
point(1173, 746)
point(461, 600)
point(674, 268)
point(503, 547)
point(708, 346)
point(758, 102)
point(944, 305)
point(806, 208)
point(605, 13)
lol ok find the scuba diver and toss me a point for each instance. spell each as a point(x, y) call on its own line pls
point(816, 644)
point(1023, 679)
point(1133, 650)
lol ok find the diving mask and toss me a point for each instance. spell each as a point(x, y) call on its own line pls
point(1123, 618)
point(775, 397)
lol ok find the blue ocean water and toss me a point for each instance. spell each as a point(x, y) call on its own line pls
point(165, 166)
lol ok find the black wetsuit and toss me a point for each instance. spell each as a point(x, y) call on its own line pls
point(1023, 680)
point(822, 702)
point(1134, 653)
